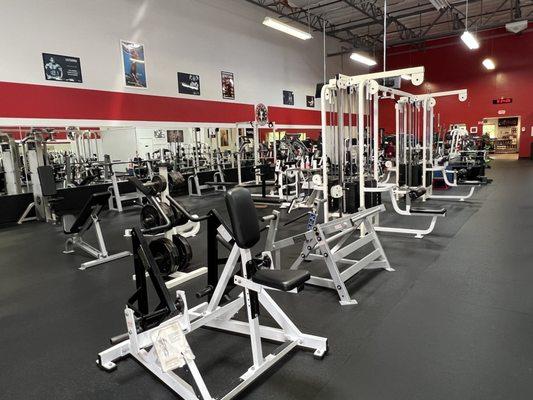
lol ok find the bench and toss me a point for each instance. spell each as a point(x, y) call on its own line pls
point(77, 225)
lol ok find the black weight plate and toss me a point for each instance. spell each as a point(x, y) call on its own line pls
point(179, 217)
point(169, 213)
point(176, 178)
point(159, 183)
point(184, 250)
point(166, 255)
point(150, 217)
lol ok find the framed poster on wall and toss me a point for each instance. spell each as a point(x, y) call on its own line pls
point(62, 68)
point(133, 64)
point(175, 136)
point(310, 101)
point(188, 83)
point(288, 98)
point(228, 85)
point(224, 137)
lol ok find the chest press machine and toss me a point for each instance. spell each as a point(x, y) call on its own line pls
point(146, 328)
point(76, 226)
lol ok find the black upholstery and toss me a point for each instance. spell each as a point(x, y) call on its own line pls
point(243, 217)
point(285, 279)
point(47, 180)
point(97, 201)
point(418, 210)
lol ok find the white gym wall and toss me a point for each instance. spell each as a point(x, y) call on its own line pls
point(203, 37)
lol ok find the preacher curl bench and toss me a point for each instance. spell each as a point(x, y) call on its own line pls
point(149, 331)
point(77, 226)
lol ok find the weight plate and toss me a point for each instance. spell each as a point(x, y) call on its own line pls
point(159, 183)
point(317, 180)
point(169, 213)
point(150, 217)
point(166, 255)
point(176, 178)
point(184, 251)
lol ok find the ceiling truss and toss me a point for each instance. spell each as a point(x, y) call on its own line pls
point(358, 24)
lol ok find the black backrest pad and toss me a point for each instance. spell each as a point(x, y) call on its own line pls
point(47, 180)
point(96, 200)
point(243, 217)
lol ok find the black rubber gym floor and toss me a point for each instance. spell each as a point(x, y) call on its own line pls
point(455, 321)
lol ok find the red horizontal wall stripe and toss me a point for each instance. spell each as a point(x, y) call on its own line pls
point(21, 100)
point(293, 116)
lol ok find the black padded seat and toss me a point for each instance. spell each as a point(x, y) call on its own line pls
point(435, 211)
point(68, 221)
point(285, 279)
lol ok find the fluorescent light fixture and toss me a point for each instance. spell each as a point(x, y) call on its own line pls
point(283, 27)
point(406, 77)
point(488, 63)
point(470, 40)
point(363, 59)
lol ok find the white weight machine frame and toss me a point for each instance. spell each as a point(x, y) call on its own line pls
point(428, 103)
point(213, 314)
point(332, 242)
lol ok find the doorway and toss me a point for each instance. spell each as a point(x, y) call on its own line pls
point(504, 133)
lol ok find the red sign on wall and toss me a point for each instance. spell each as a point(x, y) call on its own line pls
point(502, 100)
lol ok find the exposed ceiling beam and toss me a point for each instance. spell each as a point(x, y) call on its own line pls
point(376, 13)
point(314, 21)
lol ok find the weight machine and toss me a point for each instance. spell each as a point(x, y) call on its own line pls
point(429, 166)
point(359, 96)
point(157, 338)
point(10, 164)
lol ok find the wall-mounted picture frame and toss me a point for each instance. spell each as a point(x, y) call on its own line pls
point(188, 83)
point(224, 137)
point(288, 98)
point(473, 129)
point(62, 68)
point(175, 136)
point(310, 101)
point(228, 85)
point(133, 64)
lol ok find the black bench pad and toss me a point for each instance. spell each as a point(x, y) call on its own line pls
point(418, 210)
point(284, 280)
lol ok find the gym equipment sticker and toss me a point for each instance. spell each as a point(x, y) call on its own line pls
point(62, 68)
point(228, 86)
point(188, 83)
point(133, 64)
